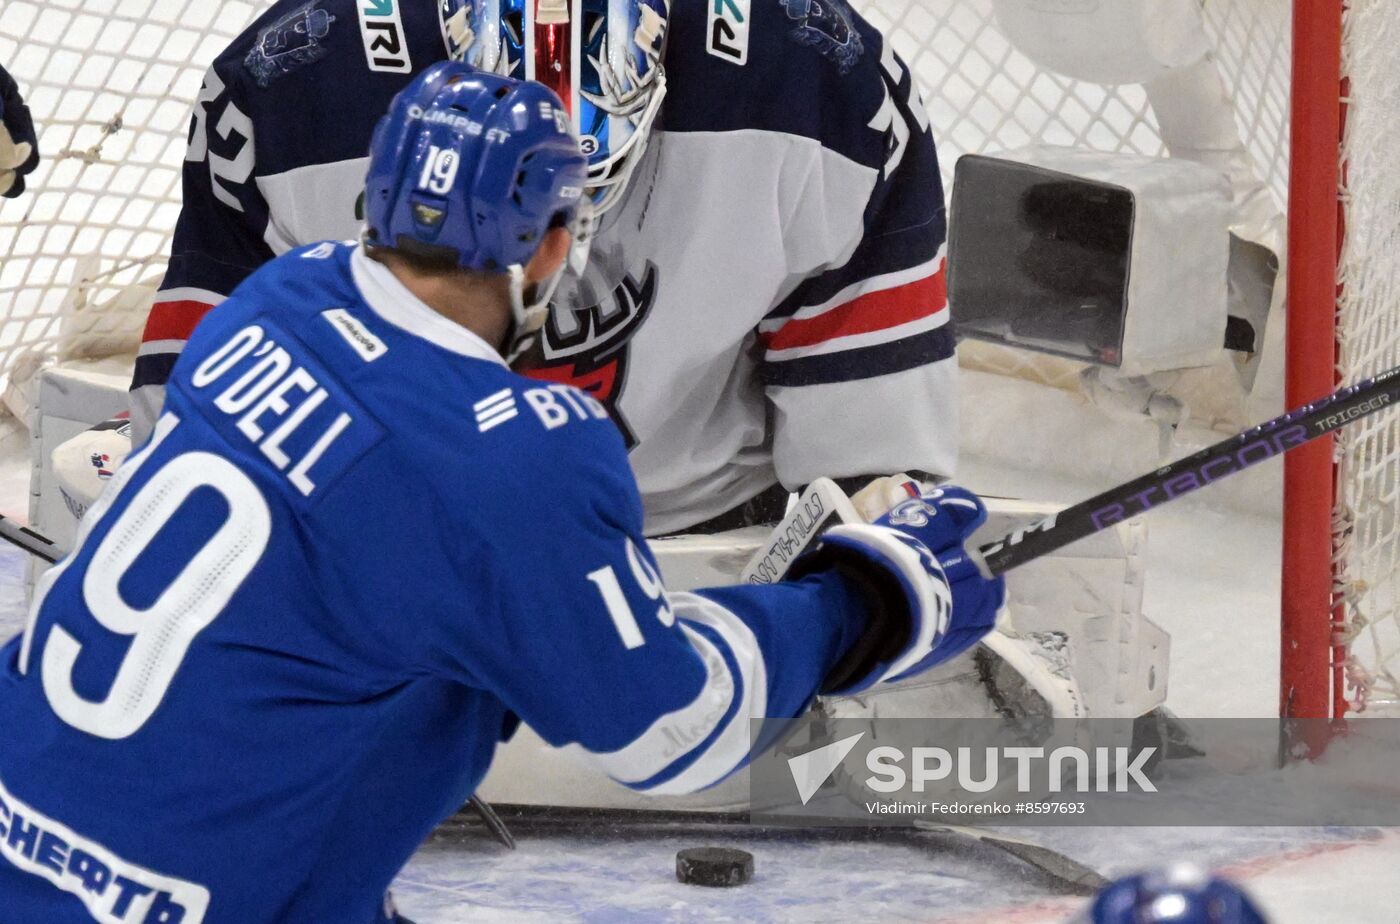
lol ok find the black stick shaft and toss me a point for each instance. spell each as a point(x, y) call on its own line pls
point(33, 543)
point(1183, 476)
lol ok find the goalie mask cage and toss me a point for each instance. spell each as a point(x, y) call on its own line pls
point(111, 84)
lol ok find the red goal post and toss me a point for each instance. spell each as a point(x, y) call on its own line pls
point(1341, 651)
point(1311, 658)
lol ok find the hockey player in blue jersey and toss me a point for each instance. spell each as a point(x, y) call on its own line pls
point(358, 549)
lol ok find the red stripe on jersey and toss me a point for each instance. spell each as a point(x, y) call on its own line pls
point(865, 314)
point(601, 383)
point(174, 320)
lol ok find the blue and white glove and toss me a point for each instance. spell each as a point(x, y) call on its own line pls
point(930, 601)
point(19, 149)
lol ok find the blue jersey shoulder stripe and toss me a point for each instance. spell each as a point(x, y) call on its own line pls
point(198, 270)
point(875, 257)
point(153, 369)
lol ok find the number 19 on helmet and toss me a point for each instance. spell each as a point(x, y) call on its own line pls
point(477, 168)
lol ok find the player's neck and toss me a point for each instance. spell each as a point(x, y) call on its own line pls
point(480, 302)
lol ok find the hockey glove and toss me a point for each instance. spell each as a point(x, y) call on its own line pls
point(84, 464)
point(930, 602)
point(19, 149)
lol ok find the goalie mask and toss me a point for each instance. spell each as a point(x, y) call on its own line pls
point(602, 57)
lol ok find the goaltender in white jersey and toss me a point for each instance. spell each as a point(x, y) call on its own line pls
point(765, 302)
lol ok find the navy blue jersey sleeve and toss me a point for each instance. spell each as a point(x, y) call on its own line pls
point(275, 157)
point(863, 324)
point(883, 308)
point(587, 646)
point(873, 335)
point(875, 301)
point(219, 237)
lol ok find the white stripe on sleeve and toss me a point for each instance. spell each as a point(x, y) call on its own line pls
point(651, 752)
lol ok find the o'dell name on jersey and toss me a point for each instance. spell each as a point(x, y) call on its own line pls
point(275, 402)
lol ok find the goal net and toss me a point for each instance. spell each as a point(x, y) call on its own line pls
point(110, 83)
point(1367, 512)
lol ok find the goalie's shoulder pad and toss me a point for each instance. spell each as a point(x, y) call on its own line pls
point(794, 68)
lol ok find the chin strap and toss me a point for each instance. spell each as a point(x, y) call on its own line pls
point(527, 315)
point(529, 306)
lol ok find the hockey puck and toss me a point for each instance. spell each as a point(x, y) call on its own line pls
point(714, 866)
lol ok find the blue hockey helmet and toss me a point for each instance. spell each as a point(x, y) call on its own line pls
point(478, 167)
point(1181, 894)
point(475, 164)
point(602, 57)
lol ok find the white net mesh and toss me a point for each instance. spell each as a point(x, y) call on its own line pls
point(984, 96)
point(1369, 342)
point(110, 83)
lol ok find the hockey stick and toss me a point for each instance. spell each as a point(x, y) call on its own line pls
point(39, 546)
point(1191, 473)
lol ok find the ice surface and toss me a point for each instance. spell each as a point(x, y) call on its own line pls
point(1300, 875)
point(612, 880)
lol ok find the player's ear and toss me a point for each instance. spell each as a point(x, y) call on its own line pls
point(550, 255)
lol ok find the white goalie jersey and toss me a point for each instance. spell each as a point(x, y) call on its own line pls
point(766, 307)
